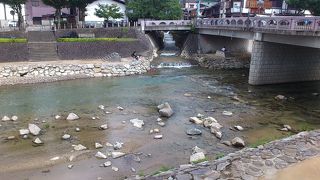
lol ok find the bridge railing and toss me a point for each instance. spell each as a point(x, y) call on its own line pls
point(296, 23)
point(168, 23)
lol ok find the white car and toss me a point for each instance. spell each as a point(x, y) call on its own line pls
point(12, 23)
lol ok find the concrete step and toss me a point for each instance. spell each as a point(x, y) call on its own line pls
point(41, 36)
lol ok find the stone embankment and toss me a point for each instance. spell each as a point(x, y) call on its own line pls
point(212, 61)
point(34, 72)
point(252, 163)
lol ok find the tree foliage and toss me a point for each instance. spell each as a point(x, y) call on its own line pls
point(16, 5)
point(300, 5)
point(81, 5)
point(108, 11)
point(153, 9)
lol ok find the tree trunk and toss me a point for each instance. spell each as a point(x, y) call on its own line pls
point(20, 17)
point(5, 11)
point(58, 16)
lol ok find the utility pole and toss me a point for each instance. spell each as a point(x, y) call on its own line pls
point(5, 11)
point(198, 9)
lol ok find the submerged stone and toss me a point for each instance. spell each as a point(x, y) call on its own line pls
point(72, 116)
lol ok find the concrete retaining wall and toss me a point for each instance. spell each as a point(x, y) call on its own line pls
point(281, 63)
point(13, 52)
point(209, 44)
point(102, 32)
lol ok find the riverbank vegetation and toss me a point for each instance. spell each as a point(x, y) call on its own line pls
point(96, 39)
point(13, 40)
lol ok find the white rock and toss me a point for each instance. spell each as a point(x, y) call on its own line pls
point(196, 149)
point(162, 124)
point(77, 129)
point(103, 127)
point(34, 129)
point(79, 147)
point(72, 116)
point(216, 132)
point(158, 136)
point(215, 125)
point(208, 121)
point(159, 119)
point(117, 145)
point(93, 118)
point(200, 116)
point(237, 142)
point(227, 113)
point(115, 168)
point(66, 136)
point(120, 108)
point(6, 118)
point(107, 164)
point(156, 130)
point(109, 144)
point(239, 128)
point(100, 155)
point(195, 120)
point(197, 157)
point(70, 166)
point(280, 97)
point(55, 158)
point(101, 107)
point(209, 97)
point(133, 169)
point(288, 127)
point(37, 141)
point(14, 118)
point(24, 132)
point(11, 137)
point(57, 117)
point(137, 123)
point(117, 154)
point(107, 112)
point(98, 145)
point(284, 129)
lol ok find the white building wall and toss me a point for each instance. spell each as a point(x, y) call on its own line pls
point(91, 10)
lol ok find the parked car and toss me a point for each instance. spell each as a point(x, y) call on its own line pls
point(12, 23)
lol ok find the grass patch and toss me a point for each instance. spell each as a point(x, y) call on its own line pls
point(200, 161)
point(96, 39)
point(266, 140)
point(219, 155)
point(47, 126)
point(141, 173)
point(305, 127)
point(13, 40)
point(162, 169)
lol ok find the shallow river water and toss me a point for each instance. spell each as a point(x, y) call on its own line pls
point(186, 89)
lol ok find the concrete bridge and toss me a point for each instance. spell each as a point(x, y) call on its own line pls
point(285, 49)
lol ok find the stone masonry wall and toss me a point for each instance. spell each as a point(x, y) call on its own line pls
point(281, 63)
point(46, 72)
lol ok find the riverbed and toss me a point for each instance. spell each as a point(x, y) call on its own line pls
point(189, 91)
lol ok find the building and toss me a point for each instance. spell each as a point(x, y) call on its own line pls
point(233, 8)
point(37, 13)
point(190, 8)
point(212, 11)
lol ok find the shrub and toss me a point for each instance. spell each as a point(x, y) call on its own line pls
point(13, 40)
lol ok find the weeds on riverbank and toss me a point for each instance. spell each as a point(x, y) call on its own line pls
point(266, 140)
point(162, 169)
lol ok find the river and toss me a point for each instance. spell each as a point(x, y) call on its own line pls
point(189, 90)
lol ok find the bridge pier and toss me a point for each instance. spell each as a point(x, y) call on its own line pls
point(273, 63)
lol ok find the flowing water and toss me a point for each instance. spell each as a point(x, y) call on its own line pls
point(186, 89)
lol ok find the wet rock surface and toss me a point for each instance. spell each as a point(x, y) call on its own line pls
point(252, 163)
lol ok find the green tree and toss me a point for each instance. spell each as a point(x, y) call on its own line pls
point(301, 5)
point(58, 5)
point(16, 5)
point(108, 11)
point(153, 9)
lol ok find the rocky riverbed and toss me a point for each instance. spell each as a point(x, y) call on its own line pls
point(111, 128)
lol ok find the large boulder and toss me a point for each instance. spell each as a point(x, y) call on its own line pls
point(195, 120)
point(165, 110)
point(34, 129)
point(72, 116)
point(237, 142)
point(197, 157)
